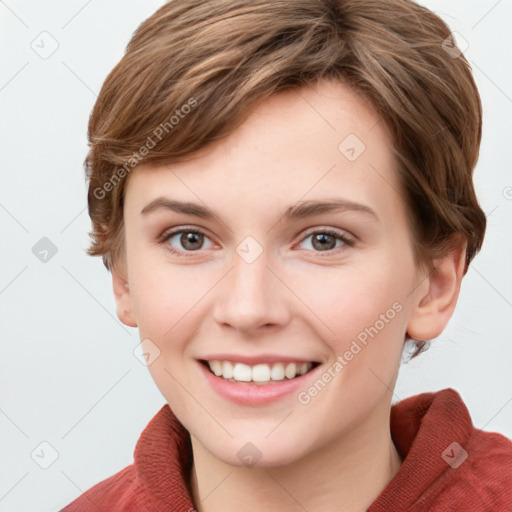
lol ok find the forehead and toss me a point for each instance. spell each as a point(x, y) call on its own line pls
point(319, 141)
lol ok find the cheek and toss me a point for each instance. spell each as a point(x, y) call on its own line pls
point(166, 298)
point(167, 301)
point(352, 300)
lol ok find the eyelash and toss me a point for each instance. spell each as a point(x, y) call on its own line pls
point(166, 236)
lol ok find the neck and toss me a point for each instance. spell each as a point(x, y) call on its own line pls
point(353, 471)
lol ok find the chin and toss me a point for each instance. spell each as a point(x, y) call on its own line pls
point(257, 452)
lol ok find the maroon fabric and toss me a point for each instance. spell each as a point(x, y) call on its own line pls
point(448, 465)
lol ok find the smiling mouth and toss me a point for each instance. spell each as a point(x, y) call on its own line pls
point(259, 374)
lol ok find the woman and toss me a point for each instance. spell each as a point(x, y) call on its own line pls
point(283, 194)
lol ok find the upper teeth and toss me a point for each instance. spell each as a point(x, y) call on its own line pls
point(258, 372)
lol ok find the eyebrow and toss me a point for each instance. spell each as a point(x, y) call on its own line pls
point(299, 210)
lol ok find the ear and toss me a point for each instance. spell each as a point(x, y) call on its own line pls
point(434, 309)
point(123, 298)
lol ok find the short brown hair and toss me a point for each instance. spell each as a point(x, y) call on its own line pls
point(220, 57)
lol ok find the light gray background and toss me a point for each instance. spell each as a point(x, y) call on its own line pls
point(68, 374)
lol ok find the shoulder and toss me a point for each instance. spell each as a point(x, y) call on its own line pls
point(448, 464)
point(117, 493)
point(478, 479)
point(489, 455)
point(155, 481)
point(478, 474)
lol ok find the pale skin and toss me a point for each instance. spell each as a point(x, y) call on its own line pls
point(297, 298)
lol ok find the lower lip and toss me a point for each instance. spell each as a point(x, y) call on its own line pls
point(252, 394)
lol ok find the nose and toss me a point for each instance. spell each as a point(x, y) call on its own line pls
point(252, 296)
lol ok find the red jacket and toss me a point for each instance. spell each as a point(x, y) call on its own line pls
point(448, 465)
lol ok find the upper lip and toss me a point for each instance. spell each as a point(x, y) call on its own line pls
point(254, 360)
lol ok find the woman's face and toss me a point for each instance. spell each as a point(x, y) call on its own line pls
point(273, 278)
